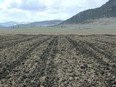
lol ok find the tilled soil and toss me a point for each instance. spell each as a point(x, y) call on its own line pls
point(58, 61)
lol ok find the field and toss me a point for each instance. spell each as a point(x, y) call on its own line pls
point(80, 29)
point(58, 60)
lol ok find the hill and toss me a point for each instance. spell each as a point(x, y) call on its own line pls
point(31, 24)
point(8, 24)
point(40, 23)
point(108, 10)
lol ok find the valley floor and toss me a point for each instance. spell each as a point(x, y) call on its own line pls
point(58, 60)
point(64, 30)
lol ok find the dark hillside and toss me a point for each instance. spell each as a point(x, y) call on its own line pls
point(105, 11)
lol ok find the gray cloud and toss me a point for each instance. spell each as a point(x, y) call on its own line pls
point(38, 10)
point(29, 5)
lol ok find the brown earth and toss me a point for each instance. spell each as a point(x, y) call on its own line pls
point(80, 31)
point(58, 60)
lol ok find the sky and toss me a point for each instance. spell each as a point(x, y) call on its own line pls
point(39, 10)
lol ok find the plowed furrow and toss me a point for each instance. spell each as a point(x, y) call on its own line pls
point(102, 51)
point(25, 73)
point(101, 48)
point(15, 42)
point(8, 68)
point(83, 49)
point(12, 37)
point(51, 80)
point(104, 67)
point(46, 68)
point(58, 61)
point(10, 54)
point(107, 42)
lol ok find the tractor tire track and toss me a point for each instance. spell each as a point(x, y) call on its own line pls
point(10, 54)
point(58, 61)
point(102, 51)
point(51, 79)
point(97, 46)
point(15, 42)
point(12, 37)
point(80, 46)
point(106, 42)
point(22, 74)
point(8, 68)
point(45, 67)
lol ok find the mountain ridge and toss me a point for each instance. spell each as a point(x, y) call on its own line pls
point(107, 10)
point(31, 24)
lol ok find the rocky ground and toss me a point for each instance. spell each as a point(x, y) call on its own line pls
point(58, 61)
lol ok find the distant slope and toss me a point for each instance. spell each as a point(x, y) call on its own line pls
point(41, 23)
point(107, 10)
point(11, 23)
point(8, 24)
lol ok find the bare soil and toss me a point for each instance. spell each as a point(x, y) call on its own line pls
point(58, 60)
point(79, 29)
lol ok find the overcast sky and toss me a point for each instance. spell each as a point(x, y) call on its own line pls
point(39, 10)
